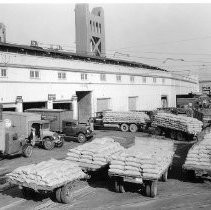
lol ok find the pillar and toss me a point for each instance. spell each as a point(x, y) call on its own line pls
point(49, 104)
point(75, 107)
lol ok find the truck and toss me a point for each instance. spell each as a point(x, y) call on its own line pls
point(73, 129)
point(126, 121)
point(11, 139)
point(55, 116)
point(23, 124)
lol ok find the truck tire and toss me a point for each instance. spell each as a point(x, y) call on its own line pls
point(81, 138)
point(164, 176)
point(173, 134)
point(58, 194)
point(60, 144)
point(180, 136)
point(133, 128)
point(124, 127)
point(27, 150)
point(48, 144)
point(66, 193)
point(151, 189)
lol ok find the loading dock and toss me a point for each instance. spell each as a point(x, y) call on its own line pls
point(84, 105)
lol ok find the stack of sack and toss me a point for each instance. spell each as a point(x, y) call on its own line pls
point(200, 154)
point(148, 158)
point(96, 153)
point(118, 117)
point(178, 122)
point(47, 173)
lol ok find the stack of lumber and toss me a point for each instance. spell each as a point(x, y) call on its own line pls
point(47, 173)
point(96, 153)
point(178, 122)
point(123, 117)
point(148, 159)
point(199, 155)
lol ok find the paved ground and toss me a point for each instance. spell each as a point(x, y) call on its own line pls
point(97, 193)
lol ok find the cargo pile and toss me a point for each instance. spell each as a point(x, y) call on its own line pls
point(148, 159)
point(123, 117)
point(46, 174)
point(178, 122)
point(199, 156)
point(96, 153)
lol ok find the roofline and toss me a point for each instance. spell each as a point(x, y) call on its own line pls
point(70, 55)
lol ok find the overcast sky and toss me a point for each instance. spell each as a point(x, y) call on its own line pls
point(172, 36)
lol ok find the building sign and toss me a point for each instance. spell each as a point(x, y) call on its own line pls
point(51, 97)
point(48, 117)
point(19, 99)
point(7, 123)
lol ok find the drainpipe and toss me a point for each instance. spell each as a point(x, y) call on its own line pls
point(75, 107)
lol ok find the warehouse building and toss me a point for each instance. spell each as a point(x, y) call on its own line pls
point(87, 81)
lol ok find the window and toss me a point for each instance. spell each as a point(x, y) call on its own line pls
point(118, 78)
point(3, 72)
point(144, 79)
point(163, 80)
point(103, 104)
point(84, 76)
point(61, 75)
point(34, 74)
point(154, 79)
point(103, 77)
point(132, 78)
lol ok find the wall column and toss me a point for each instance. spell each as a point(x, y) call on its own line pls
point(49, 104)
point(19, 104)
point(75, 107)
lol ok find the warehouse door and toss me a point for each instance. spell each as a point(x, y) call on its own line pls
point(84, 105)
point(132, 103)
point(164, 101)
point(103, 104)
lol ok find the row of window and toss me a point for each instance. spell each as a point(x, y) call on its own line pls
point(35, 74)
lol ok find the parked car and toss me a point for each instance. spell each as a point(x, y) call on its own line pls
point(71, 128)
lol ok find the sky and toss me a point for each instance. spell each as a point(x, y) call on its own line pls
point(176, 37)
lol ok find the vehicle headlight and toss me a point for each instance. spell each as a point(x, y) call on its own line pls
point(88, 131)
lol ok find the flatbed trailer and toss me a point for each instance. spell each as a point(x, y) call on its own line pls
point(149, 184)
point(175, 134)
point(63, 192)
point(193, 171)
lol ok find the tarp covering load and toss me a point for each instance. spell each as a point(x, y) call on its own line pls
point(122, 117)
point(199, 156)
point(178, 122)
point(46, 174)
point(148, 159)
point(96, 153)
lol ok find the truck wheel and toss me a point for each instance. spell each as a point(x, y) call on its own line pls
point(124, 127)
point(158, 131)
point(173, 134)
point(48, 144)
point(180, 136)
point(60, 144)
point(133, 128)
point(66, 194)
point(81, 138)
point(154, 189)
point(58, 194)
point(164, 177)
point(27, 150)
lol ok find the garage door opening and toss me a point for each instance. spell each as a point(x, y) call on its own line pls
point(84, 105)
point(30, 105)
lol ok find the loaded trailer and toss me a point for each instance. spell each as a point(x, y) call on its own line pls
point(126, 121)
point(148, 184)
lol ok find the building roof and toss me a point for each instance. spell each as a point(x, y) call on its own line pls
point(31, 50)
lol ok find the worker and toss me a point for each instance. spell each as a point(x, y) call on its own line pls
point(32, 136)
point(189, 111)
point(91, 122)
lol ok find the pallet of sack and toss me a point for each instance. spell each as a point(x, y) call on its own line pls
point(94, 156)
point(59, 178)
point(144, 164)
point(198, 160)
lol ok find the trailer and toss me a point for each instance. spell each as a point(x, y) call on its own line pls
point(55, 116)
point(126, 121)
point(148, 184)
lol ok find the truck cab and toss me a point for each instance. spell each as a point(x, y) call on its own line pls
point(72, 128)
point(43, 136)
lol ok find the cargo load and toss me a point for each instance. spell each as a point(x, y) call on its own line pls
point(199, 156)
point(95, 154)
point(46, 174)
point(147, 159)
